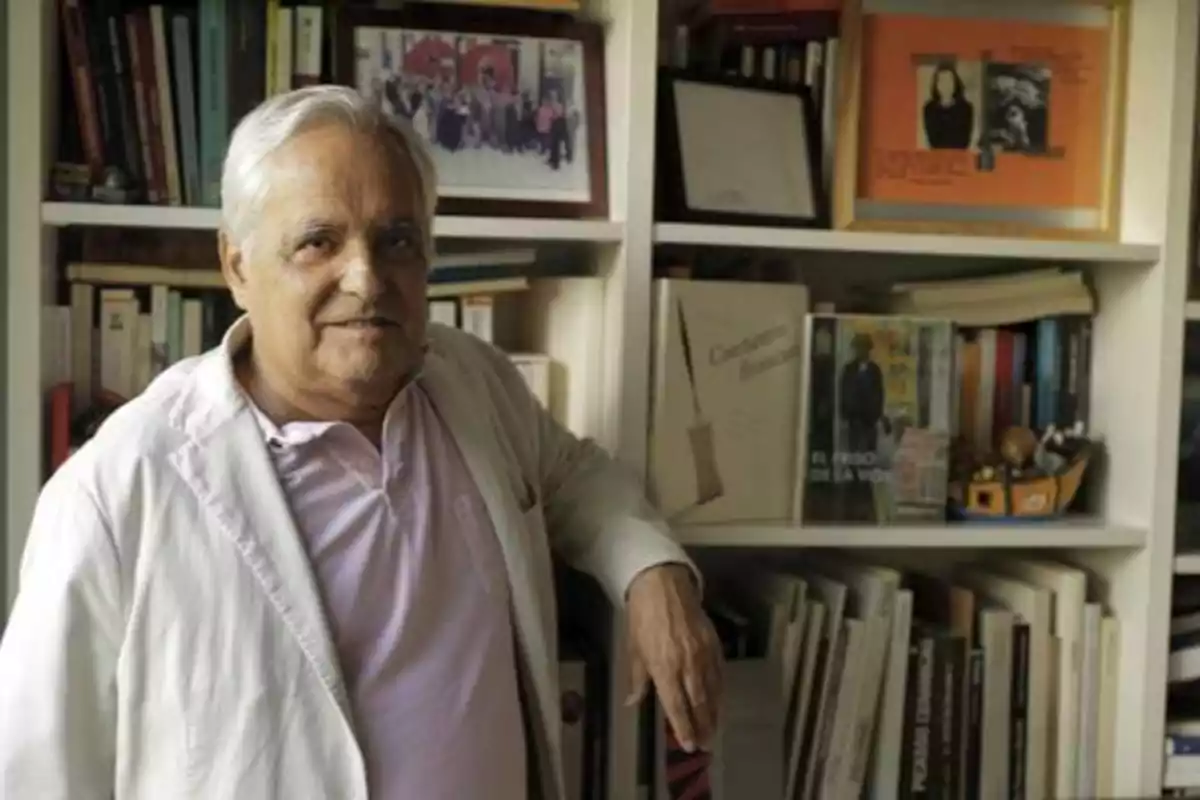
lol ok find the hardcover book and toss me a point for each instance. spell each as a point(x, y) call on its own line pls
point(880, 408)
point(725, 404)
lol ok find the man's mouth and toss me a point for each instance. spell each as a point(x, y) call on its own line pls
point(366, 322)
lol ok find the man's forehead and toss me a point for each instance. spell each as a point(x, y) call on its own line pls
point(324, 184)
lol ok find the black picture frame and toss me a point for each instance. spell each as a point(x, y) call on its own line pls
point(499, 22)
point(671, 192)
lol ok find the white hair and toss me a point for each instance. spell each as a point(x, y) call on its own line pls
point(244, 180)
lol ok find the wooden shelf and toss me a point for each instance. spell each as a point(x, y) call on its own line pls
point(917, 244)
point(1083, 534)
point(1191, 311)
point(445, 227)
point(1187, 564)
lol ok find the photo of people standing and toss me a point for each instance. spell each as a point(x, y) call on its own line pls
point(505, 116)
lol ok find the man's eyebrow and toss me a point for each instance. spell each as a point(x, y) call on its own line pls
point(309, 224)
point(399, 224)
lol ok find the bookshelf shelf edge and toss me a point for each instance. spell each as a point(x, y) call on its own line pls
point(564, 230)
point(916, 244)
point(1065, 535)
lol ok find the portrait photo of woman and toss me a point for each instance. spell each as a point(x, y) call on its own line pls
point(948, 115)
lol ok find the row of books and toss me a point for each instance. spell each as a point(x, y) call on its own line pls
point(123, 324)
point(1024, 349)
point(153, 124)
point(761, 411)
point(855, 678)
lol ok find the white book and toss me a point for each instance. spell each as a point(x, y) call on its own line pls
point(478, 316)
point(1034, 605)
point(56, 346)
point(803, 691)
point(193, 328)
point(726, 400)
point(284, 49)
point(873, 597)
point(444, 312)
point(995, 636)
point(118, 339)
point(535, 369)
point(821, 706)
point(884, 783)
point(160, 321)
point(83, 323)
point(1069, 586)
point(1110, 686)
point(835, 776)
point(143, 352)
point(1089, 702)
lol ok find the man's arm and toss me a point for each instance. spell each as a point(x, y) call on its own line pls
point(596, 511)
point(58, 655)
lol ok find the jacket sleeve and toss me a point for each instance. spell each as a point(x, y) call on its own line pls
point(59, 653)
point(597, 515)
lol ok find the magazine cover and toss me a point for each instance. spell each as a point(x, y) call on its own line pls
point(880, 400)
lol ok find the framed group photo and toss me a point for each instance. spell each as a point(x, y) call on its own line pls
point(510, 103)
point(981, 117)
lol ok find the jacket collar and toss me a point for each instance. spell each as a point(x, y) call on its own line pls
point(226, 462)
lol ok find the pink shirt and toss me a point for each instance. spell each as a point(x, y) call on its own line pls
point(416, 594)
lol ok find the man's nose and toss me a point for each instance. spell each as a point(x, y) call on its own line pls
point(361, 272)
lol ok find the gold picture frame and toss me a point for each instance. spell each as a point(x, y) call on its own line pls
point(1002, 119)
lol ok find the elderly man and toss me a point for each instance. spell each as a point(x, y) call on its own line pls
point(316, 561)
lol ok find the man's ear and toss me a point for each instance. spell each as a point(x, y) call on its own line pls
point(233, 266)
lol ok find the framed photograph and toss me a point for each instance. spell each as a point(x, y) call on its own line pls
point(510, 102)
point(737, 154)
point(981, 117)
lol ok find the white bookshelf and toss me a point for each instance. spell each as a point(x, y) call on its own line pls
point(1072, 535)
point(1117, 253)
point(483, 228)
point(1141, 281)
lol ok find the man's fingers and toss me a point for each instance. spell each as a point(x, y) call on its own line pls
point(702, 710)
point(639, 679)
point(675, 706)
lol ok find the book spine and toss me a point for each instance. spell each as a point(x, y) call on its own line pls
point(75, 36)
point(1019, 715)
point(141, 103)
point(974, 725)
point(131, 138)
point(214, 98)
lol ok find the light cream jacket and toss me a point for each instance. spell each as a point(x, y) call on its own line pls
point(168, 640)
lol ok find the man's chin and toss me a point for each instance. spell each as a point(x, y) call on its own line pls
point(377, 371)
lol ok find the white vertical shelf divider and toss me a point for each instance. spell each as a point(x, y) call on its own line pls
point(631, 72)
point(29, 47)
point(1137, 380)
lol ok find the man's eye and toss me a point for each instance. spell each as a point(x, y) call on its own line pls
point(400, 240)
point(318, 242)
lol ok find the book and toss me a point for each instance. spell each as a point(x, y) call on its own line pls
point(880, 413)
point(725, 402)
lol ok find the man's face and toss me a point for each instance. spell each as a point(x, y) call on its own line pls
point(334, 276)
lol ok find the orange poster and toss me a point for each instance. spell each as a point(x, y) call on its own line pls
point(983, 112)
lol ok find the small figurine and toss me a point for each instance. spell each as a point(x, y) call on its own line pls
point(1017, 446)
